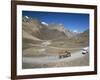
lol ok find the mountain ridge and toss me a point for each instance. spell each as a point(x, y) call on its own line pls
point(44, 31)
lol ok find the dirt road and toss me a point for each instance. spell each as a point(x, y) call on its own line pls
point(51, 59)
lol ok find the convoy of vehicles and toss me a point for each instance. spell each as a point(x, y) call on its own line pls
point(66, 54)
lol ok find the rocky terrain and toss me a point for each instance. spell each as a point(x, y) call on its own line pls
point(40, 39)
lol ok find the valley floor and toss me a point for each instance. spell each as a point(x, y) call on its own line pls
point(76, 59)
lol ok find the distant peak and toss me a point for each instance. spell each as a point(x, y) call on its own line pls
point(76, 31)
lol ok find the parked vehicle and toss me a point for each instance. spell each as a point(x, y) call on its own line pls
point(85, 50)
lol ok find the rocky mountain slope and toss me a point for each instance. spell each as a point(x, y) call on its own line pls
point(36, 32)
point(45, 31)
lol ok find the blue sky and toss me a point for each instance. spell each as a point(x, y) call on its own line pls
point(76, 22)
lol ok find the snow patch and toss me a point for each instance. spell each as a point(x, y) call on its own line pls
point(44, 23)
point(75, 31)
point(27, 17)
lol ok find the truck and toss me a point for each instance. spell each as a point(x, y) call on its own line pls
point(65, 54)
